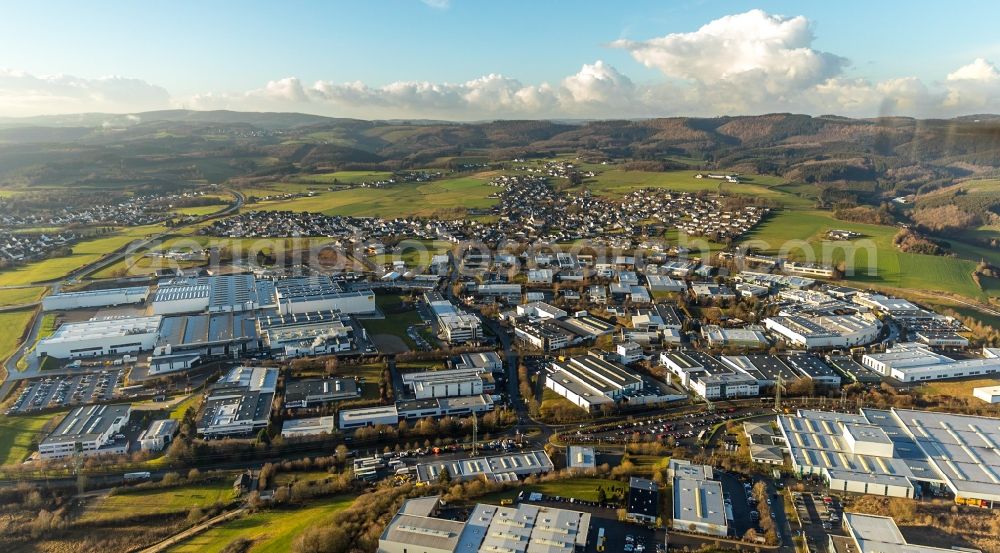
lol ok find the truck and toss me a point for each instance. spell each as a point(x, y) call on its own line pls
point(602, 540)
point(136, 476)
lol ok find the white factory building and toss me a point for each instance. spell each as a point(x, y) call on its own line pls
point(158, 435)
point(101, 337)
point(95, 298)
point(455, 325)
point(989, 394)
point(698, 502)
point(522, 528)
point(313, 426)
point(215, 294)
point(444, 383)
point(834, 331)
point(320, 293)
point(889, 452)
point(239, 403)
point(590, 381)
point(87, 430)
point(913, 362)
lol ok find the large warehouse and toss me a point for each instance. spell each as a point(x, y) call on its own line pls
point(444, 383)
point(834, 331)
point(239, 403)
point(87, 430)
point(912, 362)
point(590, 381)
point(95, 298)
point(215, 294)
point(504, 467)
point(698, 501)
point(101, 337)
point(890, 452)
point(309, 333)
point(188, 339)
point(320, 293)
point(489, 528)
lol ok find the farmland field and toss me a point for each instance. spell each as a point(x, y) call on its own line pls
point(271, 531)
point(437, 197)
point(84, 252)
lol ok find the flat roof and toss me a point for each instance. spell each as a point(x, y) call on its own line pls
point(87, 422)
point(520, 463)
point(698, 501)
point(879, 534)
point(104, 328)
point(129, 291)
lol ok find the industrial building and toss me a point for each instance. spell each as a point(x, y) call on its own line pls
point(879, 534)
point(239, 403)
point(913, 362)
point(314, 426)
point(762, 443)
point(504, 467)
point(64, 301)
point(698, 502)
point(749, 337)
point(814, 369)
point(99, 337)
point(292, 335)
point(853, 370)
point(890, 452)
point(87, 430)
point(185, 340)
point(581, 457)
point(708, 377)
point(516, 529)
point(158, 435)
point(488, 361)
point(591, 381)
point(833, 331)
point(368, 416)
point(455, 325)
point(643, 502)
point(310, 392)
point(989, 394)
point(444, 383)
point(897, 307)
point(546, 335)
point(215, 294)
point(320, 293)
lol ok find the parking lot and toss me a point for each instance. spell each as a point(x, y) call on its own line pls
point(820, 516)
point(64, 391)
point(685, 428)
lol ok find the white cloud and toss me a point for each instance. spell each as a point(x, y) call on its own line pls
point(590, 92)
point(744, 59)
point(438, 4)
point(26, 94)
point(978, 70)
point(746, 63)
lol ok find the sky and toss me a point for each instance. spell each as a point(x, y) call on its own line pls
point(475, 59)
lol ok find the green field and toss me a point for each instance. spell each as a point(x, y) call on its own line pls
point(177, 413)
point(159, 501)
point(87, 251)
point(346, 177)
point(18, 296)
point(961, 388)
point(415, 253)
point(616, 182)
point(17, 434)
point(199, 210)
point(439, 197)
point(13, 324)
point(394, 323)
point(271, 531)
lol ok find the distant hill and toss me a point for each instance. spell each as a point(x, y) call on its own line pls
point(844, 158)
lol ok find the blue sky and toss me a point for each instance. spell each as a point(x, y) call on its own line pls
point(224, 54)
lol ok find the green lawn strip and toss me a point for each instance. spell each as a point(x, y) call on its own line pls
point(14, 324)
point(181, 499)
point(272, 531)
point(18, 434)
point(18, 296)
